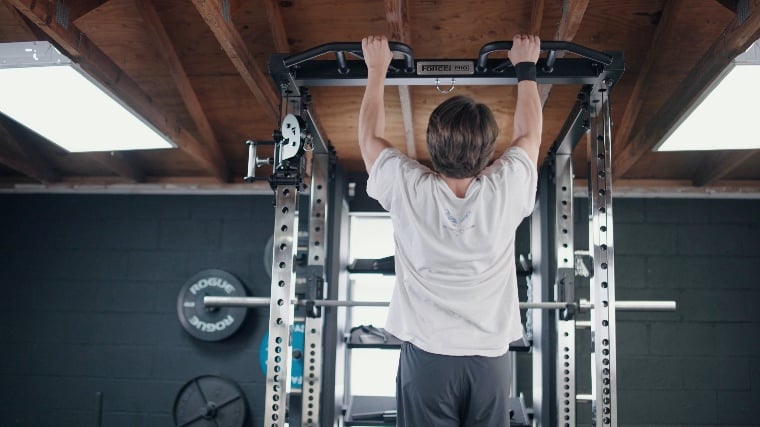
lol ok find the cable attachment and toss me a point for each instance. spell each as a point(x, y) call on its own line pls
point(254, 161)
point(444, 92)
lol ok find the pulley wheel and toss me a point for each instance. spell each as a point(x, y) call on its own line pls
point(210, 323)
point(210, 401)
point(293, 135)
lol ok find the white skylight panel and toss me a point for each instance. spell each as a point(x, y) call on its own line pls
point(48, 94)
point(728, 116)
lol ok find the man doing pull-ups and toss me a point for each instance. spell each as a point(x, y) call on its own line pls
point(455, 304)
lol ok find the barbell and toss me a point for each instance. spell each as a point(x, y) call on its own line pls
point(582, 305)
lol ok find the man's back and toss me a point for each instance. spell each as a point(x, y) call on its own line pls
point(456, 289)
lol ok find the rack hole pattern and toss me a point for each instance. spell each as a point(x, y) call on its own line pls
point(603, 289)
point(280, 313)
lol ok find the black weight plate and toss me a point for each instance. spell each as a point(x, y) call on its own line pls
point(210, 401)
point(210, 323)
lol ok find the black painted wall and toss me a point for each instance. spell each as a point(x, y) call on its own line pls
point(701, 364)
point(88, 287)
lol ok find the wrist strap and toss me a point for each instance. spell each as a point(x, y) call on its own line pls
point(525, 71)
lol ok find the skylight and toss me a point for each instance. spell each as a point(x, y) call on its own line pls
point(727, 116)
point(49, 94)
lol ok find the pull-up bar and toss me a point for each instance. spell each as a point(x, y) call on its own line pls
point(351, 47)
point(548, 46)
point(587, 66)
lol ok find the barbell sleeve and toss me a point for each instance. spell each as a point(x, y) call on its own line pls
point(633, 305)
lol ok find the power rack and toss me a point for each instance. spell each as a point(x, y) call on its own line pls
point(299, 301)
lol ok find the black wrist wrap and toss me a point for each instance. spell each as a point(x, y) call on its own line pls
point(525, 71)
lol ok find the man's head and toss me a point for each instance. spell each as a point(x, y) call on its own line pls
point(460, 137)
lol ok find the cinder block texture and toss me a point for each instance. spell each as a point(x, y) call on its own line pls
point(90, 286)
point(699, 365)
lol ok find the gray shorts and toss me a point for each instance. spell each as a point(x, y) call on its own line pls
point(441, 391)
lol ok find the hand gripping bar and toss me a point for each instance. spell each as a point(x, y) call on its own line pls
point(550, 46)
point(354, 48)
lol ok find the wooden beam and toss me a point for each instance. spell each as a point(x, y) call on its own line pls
point(99, 66)
point(735, 40)
point(405, 97)
point(120, 164)
point(27, 27)
point(731, 5)
point(192, 103)
point(536, 17)
point(232, 43)
point(22, 158)
point(397, 16)
point(68, 11)
point(572, 16)
point(665, 31)
point(152, 185)
point(279, 35)
point(720, 164)
point(675, 188)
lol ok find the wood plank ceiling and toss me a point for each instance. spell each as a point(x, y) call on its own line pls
point(197, 70)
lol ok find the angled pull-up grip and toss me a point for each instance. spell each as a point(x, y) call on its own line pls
point(551, 46)
point(354, 48)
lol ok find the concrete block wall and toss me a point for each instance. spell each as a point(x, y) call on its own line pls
point(89, 286)
point(701, 364)
point(88, 289)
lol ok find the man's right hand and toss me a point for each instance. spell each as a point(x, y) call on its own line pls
point(377, 54)
point(525, 48)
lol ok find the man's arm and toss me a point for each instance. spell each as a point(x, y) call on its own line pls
point(372, 141)
point(528, 115)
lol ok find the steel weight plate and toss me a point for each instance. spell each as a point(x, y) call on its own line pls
point(210, 401)
point(210, 323)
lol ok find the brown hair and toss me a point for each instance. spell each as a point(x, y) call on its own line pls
point(460, 137)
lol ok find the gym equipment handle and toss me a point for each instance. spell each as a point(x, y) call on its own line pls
point(551, 46)
point(354, 47)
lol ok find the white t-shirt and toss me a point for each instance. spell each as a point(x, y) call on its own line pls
point(456, 285)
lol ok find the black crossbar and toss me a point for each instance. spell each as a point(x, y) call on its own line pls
point(308, 69)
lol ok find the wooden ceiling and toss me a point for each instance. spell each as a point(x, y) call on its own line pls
point(197, 69)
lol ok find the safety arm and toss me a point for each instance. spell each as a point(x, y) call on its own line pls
point(528, 119)
point(372, 118)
